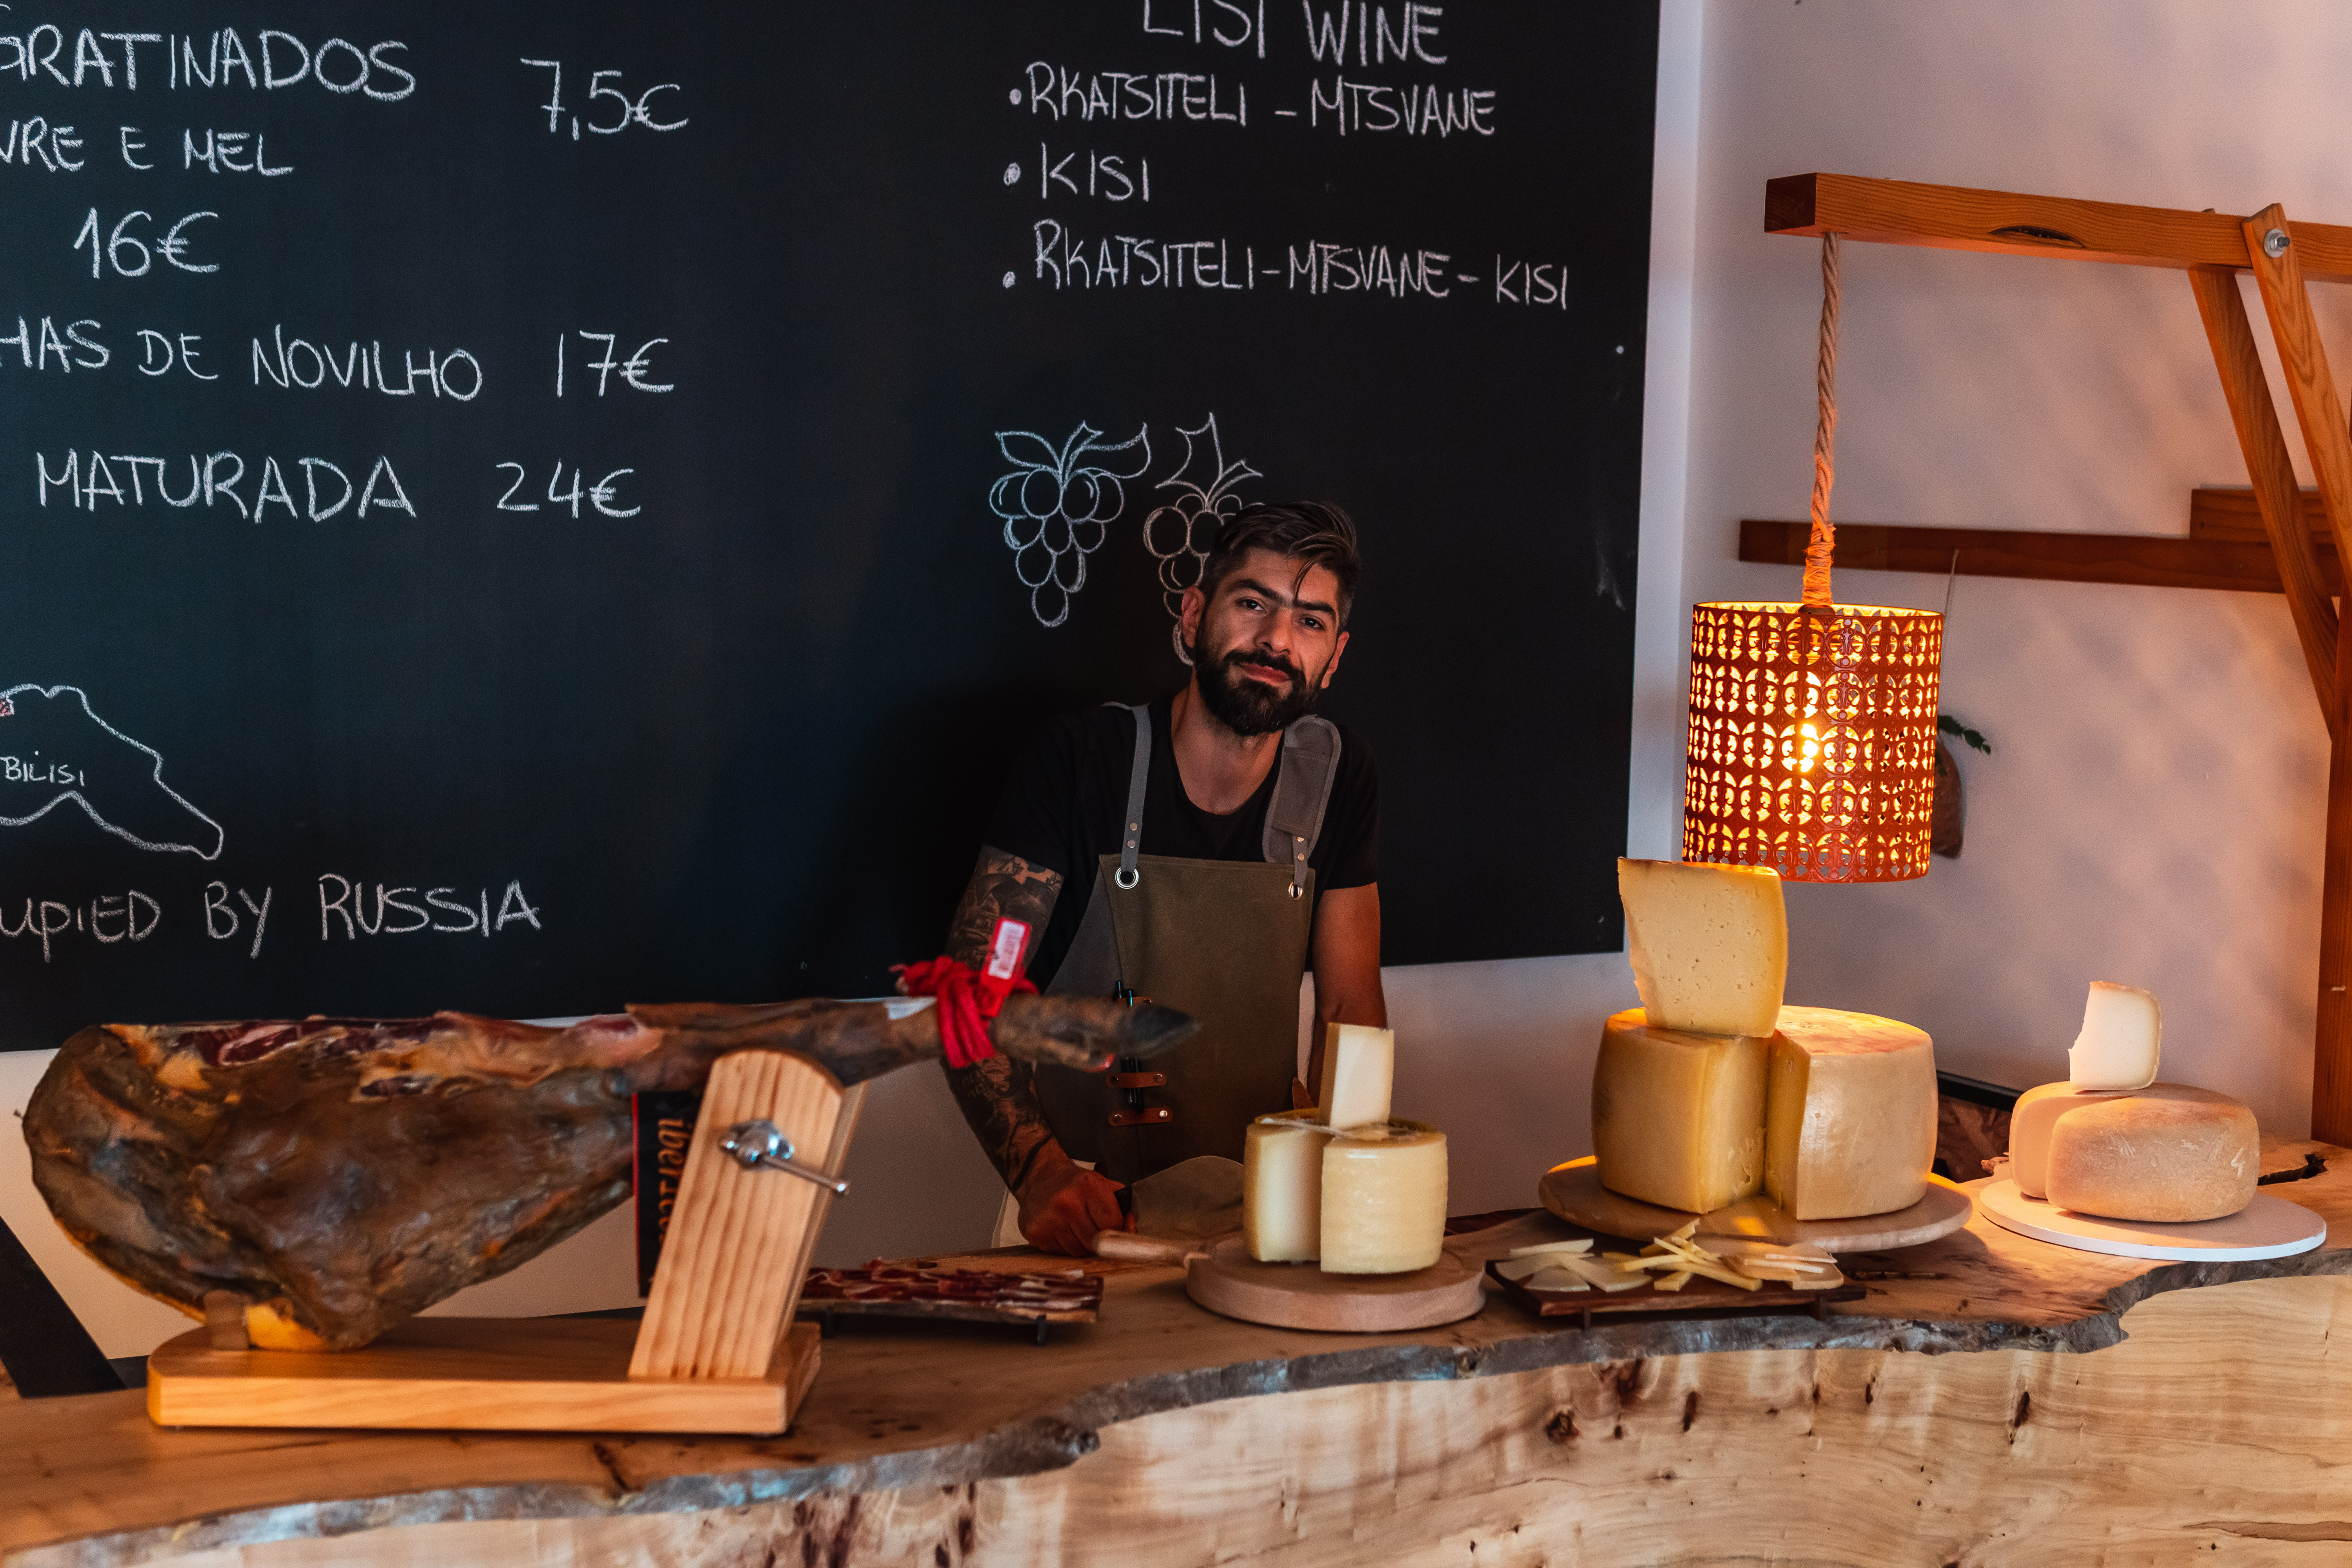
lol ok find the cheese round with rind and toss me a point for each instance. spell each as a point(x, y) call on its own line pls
point(1849, 1114)
point(2170, 1153)
point(1678, 1117)
point(1282, 1187)
point(1383, 1209)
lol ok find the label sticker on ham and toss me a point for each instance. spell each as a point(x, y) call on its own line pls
point(1004, 948)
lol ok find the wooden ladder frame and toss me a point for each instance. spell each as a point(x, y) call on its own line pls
point(2285, 258)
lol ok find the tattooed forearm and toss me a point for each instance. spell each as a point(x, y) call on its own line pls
point(998, 1096)
point(998, 1100)
point(1007, 886)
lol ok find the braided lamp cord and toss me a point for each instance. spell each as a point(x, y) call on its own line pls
point(1823, 539)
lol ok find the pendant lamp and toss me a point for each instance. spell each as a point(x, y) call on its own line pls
point(1813, 725)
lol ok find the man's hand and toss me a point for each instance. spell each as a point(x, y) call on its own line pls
point(1064, 1205)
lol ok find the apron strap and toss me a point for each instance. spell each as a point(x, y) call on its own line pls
point(1131, 840)
point(1294, 820)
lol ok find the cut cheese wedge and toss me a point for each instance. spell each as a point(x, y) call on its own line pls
point(1850, 1119)
point(1678, 1118)
point(2122, 1040)
point(1383, 1209)
point(1282, 1187)
point(1709, 944)
point(1359, 1074)
point(2030, 1123)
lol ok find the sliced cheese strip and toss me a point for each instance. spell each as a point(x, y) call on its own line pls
point(1282, 1187)
point(2122, 1040)
point(1678, 1118)
point(1604, 1276)
point(1555, 1279)
point(1383, 1198)
point(1582, 1244)
point(2030, 1122)
point(2167, 1152)
point(1850, 1119)
point(1709, 944)
point(1359, 1074)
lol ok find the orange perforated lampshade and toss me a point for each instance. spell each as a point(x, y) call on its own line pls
point(1812, 740)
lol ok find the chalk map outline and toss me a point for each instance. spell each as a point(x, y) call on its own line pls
point(156, 775)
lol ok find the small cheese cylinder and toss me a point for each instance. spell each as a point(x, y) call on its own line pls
point(1359, 1070)
point(1383, 1198)
point(1678, 1118)
point(1849, 1114)
point(2036, 1112)
point(1282, 1187)
point(2122, 1039)
point(2167, 1152)
point(1709, 944)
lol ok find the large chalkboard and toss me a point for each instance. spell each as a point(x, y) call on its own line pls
point(525, 507)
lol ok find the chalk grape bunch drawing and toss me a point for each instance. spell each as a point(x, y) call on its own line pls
point(1057, 504)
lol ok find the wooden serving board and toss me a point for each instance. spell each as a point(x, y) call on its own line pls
point(1701, 1295)
point(1226, 1279)
point(503, 1374)
point(1574, 1193)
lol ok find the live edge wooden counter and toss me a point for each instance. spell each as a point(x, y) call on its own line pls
point(1994, 1401)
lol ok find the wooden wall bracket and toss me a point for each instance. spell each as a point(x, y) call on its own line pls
point(717, 1352)
point(2212, 248)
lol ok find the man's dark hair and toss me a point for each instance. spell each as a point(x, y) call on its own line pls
point(1312, 532)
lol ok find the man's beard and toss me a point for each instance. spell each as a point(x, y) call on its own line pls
point(1247, 706)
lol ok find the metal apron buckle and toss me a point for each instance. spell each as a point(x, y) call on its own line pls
point(1132, 1079)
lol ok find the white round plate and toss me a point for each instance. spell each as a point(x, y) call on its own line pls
point(2267, 1228)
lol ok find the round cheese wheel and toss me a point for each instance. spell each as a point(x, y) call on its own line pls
point(1383, 1198)
point(2168, 1152)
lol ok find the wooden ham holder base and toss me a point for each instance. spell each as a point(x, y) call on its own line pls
point(717, 1351)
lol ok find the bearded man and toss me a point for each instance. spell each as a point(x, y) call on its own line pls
point(1213, 842)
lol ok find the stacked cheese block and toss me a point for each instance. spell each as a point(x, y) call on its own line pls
point(1711, 1090)
point(1343, 1184)
point(2113, 1141)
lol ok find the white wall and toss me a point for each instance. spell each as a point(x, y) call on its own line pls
point(2152, 812)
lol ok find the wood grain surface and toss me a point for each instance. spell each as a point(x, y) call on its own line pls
point(2224, 1395)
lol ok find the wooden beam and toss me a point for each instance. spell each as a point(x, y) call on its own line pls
point(1953, 217)
point(2231, 512)
point(2280, 270)
point(2146, 560)
point(2278, 504)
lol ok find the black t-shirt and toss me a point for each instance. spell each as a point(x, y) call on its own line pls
point(1064, 802)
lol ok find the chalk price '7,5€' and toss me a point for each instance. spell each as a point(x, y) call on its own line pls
point(627, 110)
point(172, 247)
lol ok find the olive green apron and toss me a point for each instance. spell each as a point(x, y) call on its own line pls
point(1225, 941)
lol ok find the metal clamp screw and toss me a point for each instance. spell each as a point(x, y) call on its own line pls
point(2275, 243)
point(756, 1144)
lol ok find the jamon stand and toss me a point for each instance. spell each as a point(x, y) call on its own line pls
point(717, 1352)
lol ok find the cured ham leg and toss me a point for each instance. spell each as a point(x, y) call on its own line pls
point(341, 1174)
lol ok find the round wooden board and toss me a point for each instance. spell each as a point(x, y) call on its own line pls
point(1574, 1193)
point(1229, 1281)
point(2267, 1228)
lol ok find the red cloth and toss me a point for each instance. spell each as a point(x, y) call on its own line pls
point(968, 1000)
